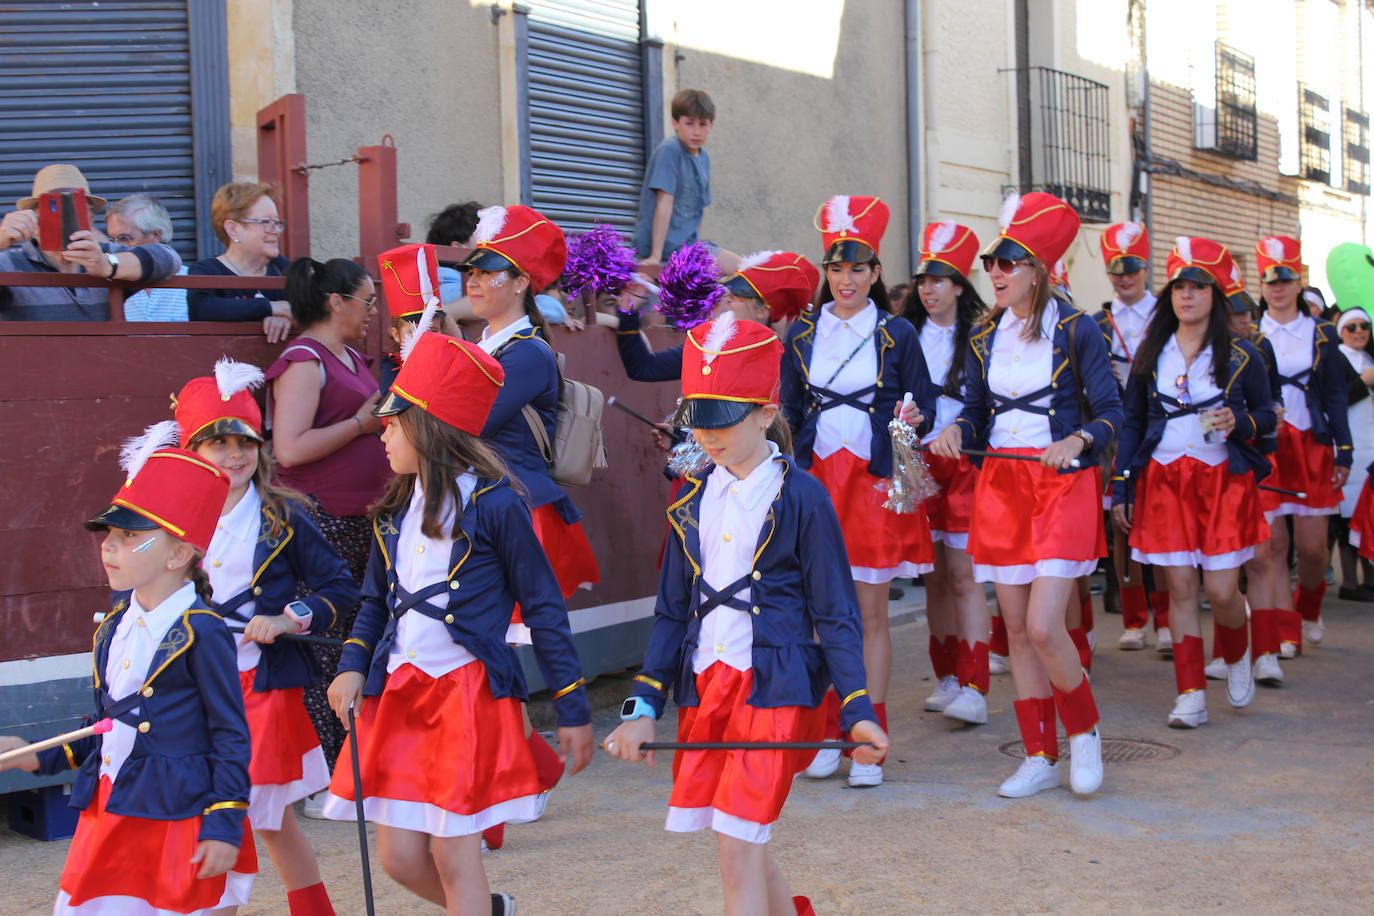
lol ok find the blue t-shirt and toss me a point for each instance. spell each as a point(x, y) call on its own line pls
point(674, 170)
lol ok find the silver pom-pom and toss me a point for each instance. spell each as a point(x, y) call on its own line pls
point(687, 457)
point(911, 482)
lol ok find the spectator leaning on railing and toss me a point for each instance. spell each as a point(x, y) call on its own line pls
point(25, 250)
point(140, 219)
point(245, 217)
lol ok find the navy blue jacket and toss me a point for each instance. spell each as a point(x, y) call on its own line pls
point(1097, 384)
point(1247, 394)
point(642, 364)
point(901, 368)
point(802, 590)
point(531, 378)
point(191, 755)
point(298, 556)
point(1325, 392)
point(496, 562)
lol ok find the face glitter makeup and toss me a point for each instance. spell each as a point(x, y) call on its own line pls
point(499, 279)
point(141, 548)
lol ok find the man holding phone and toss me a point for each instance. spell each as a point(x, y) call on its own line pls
point(50, 232)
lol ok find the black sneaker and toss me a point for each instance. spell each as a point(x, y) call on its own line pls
point(502, 904)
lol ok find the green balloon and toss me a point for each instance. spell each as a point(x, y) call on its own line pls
point(1350, 274)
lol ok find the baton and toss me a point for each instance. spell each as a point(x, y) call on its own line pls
point(753, 745)
point(670, 432)
point(358, 807)
point(98, 728)
point(980, 453)
point(1298, 493)
point(323, 641)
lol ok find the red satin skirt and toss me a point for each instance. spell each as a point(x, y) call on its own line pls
point(750, 785)
point(951, 510)
point(569, 551)
point(1362, 524)
point(443, 742)
point(1188, 513)
point(876, 538)
point(1304, 465)
point(281, 731)
point(1029, 514)
point(114, 855)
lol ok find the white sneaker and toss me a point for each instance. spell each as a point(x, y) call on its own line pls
point(1132, 638)
point(541, 802)
point(969, 706)
point(1313, 631)
point(943, 695)
point(314, 805)
point(1190, 710)
point(1035, 774)
point(1164, 641)
point(1215, 669)
point(998, 664)
point(1085, 762)
point(1288, 650)
point(502, 904)
point(865, 775)
point(1267, 670)
point(825, 763)
point(1240, 682)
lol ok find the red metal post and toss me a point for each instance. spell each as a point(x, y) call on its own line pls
point(281, 148)
point(378, 229)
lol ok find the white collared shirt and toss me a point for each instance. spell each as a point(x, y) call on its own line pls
point(1017, 368)
point(128, 665)
point(492, 342)
point(1359, 360)
point(229, 562)
point(732, 514)
point(937, 345)
point(420, 561)
point(1292, 354)
point(1183, 436)
point(845, 426)
point(1132, 321)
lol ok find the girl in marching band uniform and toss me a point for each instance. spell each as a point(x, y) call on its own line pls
point(443, 748)
point(1196, 398)
point(265, 547)
point(846, 366)
point(163, 794)
point(943, 307)
point(752, 578)
point(1038, 384)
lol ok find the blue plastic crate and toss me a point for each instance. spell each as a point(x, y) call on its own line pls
point(44, 813)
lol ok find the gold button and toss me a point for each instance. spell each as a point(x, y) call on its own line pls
point(733, 489)
point(757, 575)
point(872, 410)
point(216, 563)
point(1015, 431)
point(1051, 411)
point(755, 609)
point(147, 691)
point(141, 622)
point(448, 618)
point(719, 648)
point(257, 589)
point(420, 549)
point(107, 760)
point(1015, 393)
point(145, 727)
point(393, 586)
point(410, 654)
point(453, 586)
point(705, 370)
point(880, 384)
point(126, 664)
point(728, 537)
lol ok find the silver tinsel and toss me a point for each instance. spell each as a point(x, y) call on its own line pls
point(911, 482)
point(687, 457)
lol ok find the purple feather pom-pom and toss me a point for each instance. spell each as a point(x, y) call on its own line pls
point(598, 262)
point(689, 286)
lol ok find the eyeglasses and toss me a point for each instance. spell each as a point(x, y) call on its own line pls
point(368, 302)
point(1355, 326)
point(1184, 399)
point(125, 239)
point(1005, 265)
point(271, 225)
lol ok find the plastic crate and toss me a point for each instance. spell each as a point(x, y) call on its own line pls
point(43, 814)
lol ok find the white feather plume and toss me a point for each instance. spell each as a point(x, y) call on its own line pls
point(1273, 248)
point(754, 260)
point(1008, 212)
point(1184, 246)
point(1127, 234)
point(1061, 270)
point(1235, 274)
point(137, 450)
point(942, 236)
point(231, 377)
point(719, 334)
point(413, 335)
point(490, 221)
point(837, 218)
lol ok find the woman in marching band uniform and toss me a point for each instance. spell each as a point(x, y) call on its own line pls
point(1196, 398)
point(1038, 383)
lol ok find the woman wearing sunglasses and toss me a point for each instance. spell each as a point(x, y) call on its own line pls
point(1358, 349)
point(247, 223)
point(1038, 384)
point(1185, 487)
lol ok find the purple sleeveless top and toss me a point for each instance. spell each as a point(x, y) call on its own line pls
point(351, 479)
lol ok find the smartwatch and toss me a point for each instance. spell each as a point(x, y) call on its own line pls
point(635, 708)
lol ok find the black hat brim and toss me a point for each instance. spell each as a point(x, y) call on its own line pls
point(120, 517)
point(225, 426)
point(931, 268)
point(1128, 264)
point(741, 287)
point(1241, 302)
point(1276, 273)
point(709, 413)
point(391, 405)
point(849, 251)
point(486, 259)
point(1195, 274)
point(1006, 248)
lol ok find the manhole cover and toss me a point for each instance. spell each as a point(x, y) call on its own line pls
point(1114, 750)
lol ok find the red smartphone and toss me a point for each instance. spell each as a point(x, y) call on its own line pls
point(59, 215)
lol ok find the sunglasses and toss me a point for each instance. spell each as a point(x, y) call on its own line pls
point(1355, 326)
point(1184, 399)
point(1005, 265)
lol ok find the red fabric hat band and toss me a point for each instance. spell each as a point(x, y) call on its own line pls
point(410, 278)
point(744, 368)
point(950, 244)
point(450, 379)
point(785, 282)
point(201, 409)
point(1278, 251)
point(1042, 224)
point(856, 219)
point(179, 491)
point(1202, 254)
point(526, 238)
point(1125, 240)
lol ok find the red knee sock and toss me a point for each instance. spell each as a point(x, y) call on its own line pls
point(1159, 603)
point(803, 905)
point(1076, 708)
point(973, 666)
point(1135, 608)
point(1085, 602)
point(998, 643)
point(495, 836)
point(1229, 643)
point(1049, 732)
point(547, 766)
point(881, 710)
point(1309, 604)
point(1264, 631)
point(1290, 627)
point(1188, 664)
point(942, 661)
point(1080, 642)
point(1028, 721)
point(309, 901)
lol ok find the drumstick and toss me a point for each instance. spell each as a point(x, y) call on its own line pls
point(1298, 493)
point(979, 453)
point(98, 728)
point(670, 432)
point(323, 641)
point(358, 809)
point(753, 745)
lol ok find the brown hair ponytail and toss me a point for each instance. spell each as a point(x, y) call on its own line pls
point(536, 317)
point(201, 579)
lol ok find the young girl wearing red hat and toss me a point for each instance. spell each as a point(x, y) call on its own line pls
point(163, 792)
point(943, 308)
point(265, 548)
point(846, 366)
point(443, 749)
point(756, 616)
point(1196, 398)
point(410, 280)
point(1038, 384)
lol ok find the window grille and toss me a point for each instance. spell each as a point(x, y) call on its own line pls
point(1314, 135)
point(1073, 147)
point(1237, 115)
point(1356, 151)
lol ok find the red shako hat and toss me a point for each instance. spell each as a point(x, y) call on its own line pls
point(784, 280)
point(410, 278)
point(449, 379)
point(1200, 260)
point(518, 238)
point(1125, 248)
point(729, 367)
point(1036, 225)
point(219, 405)
point(1233, 285)
point(851, 228)
point(1279, 258)
point(947, 248)
point(166, 487)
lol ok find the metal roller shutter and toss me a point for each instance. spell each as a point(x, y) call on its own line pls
point(108, 87)
point(586, 111)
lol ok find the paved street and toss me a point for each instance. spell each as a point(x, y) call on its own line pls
point(1264, 810)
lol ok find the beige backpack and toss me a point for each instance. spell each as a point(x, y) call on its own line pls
point(577, 448)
